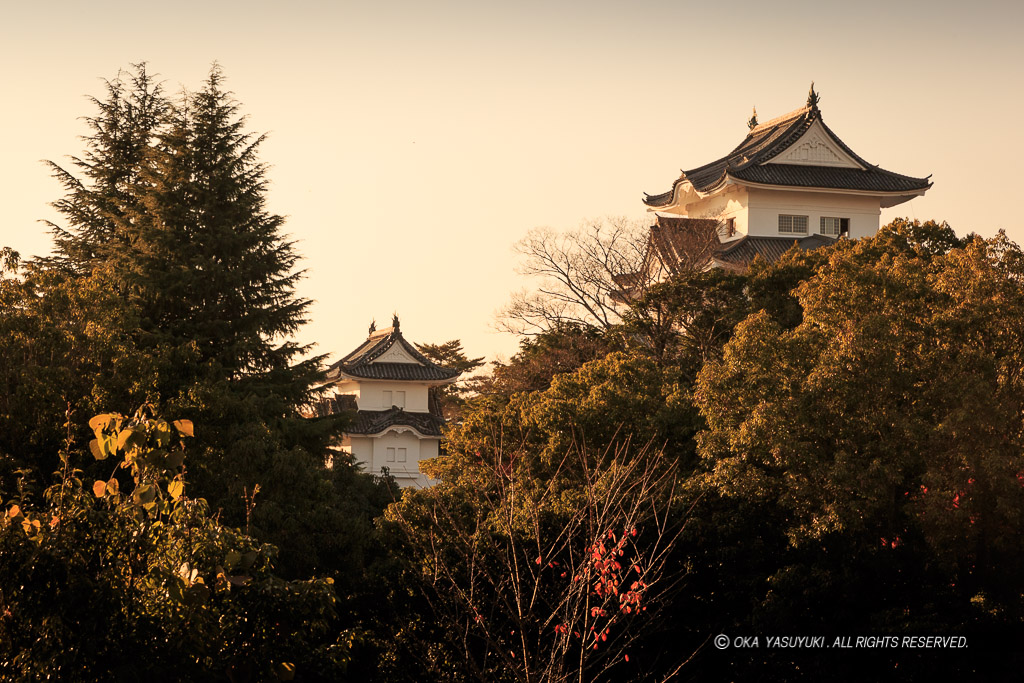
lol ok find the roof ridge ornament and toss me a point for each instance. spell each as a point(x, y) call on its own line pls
point(373, 326)
point(394, 321)
point(813, 98)
point(752, 121)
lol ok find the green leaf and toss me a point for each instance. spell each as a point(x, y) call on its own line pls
point(175, 489)
point(123, 437)
point(99, 489)
point(184, 427)
point(196, 594)
point(97, 451)
point(249, 559)
point(108, 445)
point(232, 558)
point(174, 459)
point(145, 494)
point(100, 422)
point(163, 433)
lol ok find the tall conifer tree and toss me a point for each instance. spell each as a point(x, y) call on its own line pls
point(171, 215)
point(214, 278)
point(96, 201)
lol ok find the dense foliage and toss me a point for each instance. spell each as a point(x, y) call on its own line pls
point(829, 445)
point(128, 577)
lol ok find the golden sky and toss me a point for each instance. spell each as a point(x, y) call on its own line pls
point(412, 143)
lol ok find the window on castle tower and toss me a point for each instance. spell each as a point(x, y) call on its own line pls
point(402, 454)
point(400, 399)
point(792, 225)
point(834, 226)
point(385, 399)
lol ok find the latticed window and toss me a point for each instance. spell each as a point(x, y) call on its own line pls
point(792, 225)
point(831, 225)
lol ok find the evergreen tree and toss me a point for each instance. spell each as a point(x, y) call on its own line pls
point(210, 268)
point(451, 398)
point(95, 204)
point(171, 219)
point(215, 280)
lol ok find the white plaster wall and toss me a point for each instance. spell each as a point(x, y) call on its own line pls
point(393, 439)
point(429, 449)
point(361, 448)
point(765, 206)
point(371, 452)
point(729, 204)
point(371, 396)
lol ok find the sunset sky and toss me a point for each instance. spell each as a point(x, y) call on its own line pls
point(411, 144)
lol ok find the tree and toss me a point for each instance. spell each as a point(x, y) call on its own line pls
point(534, 583)
point(64, 340)
point(580, 275)
point(172, 284)
point(64, 329)
point(541, 357)
point(209, 267)
point(451, 397)
point(127, 576)
point(171, 217)
point(686, 320)
point(874, 443)
point(96, 204)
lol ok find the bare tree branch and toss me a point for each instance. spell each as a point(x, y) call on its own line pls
point(580, 275)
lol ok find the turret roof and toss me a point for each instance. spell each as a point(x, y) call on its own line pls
point(362, 363)
point(748, 163)
point(376, 421)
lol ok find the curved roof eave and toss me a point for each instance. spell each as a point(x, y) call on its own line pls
point(674, 197)
point(397, 428)
point(342, 375)
point(905, 195)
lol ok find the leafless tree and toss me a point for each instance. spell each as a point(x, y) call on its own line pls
point(590, 275)
point(579, 275)
point(546, 585)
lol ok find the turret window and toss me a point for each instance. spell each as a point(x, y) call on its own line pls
point(831, 225)
point(392, 398)
point(792, 225)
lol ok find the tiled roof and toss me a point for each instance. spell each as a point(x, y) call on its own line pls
point(377, 421)
point(684, 243)
point(768, 140)
point(740, 253)
point(332, 405)
point(691, 244)
point(873, 180)
point(359, 363)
